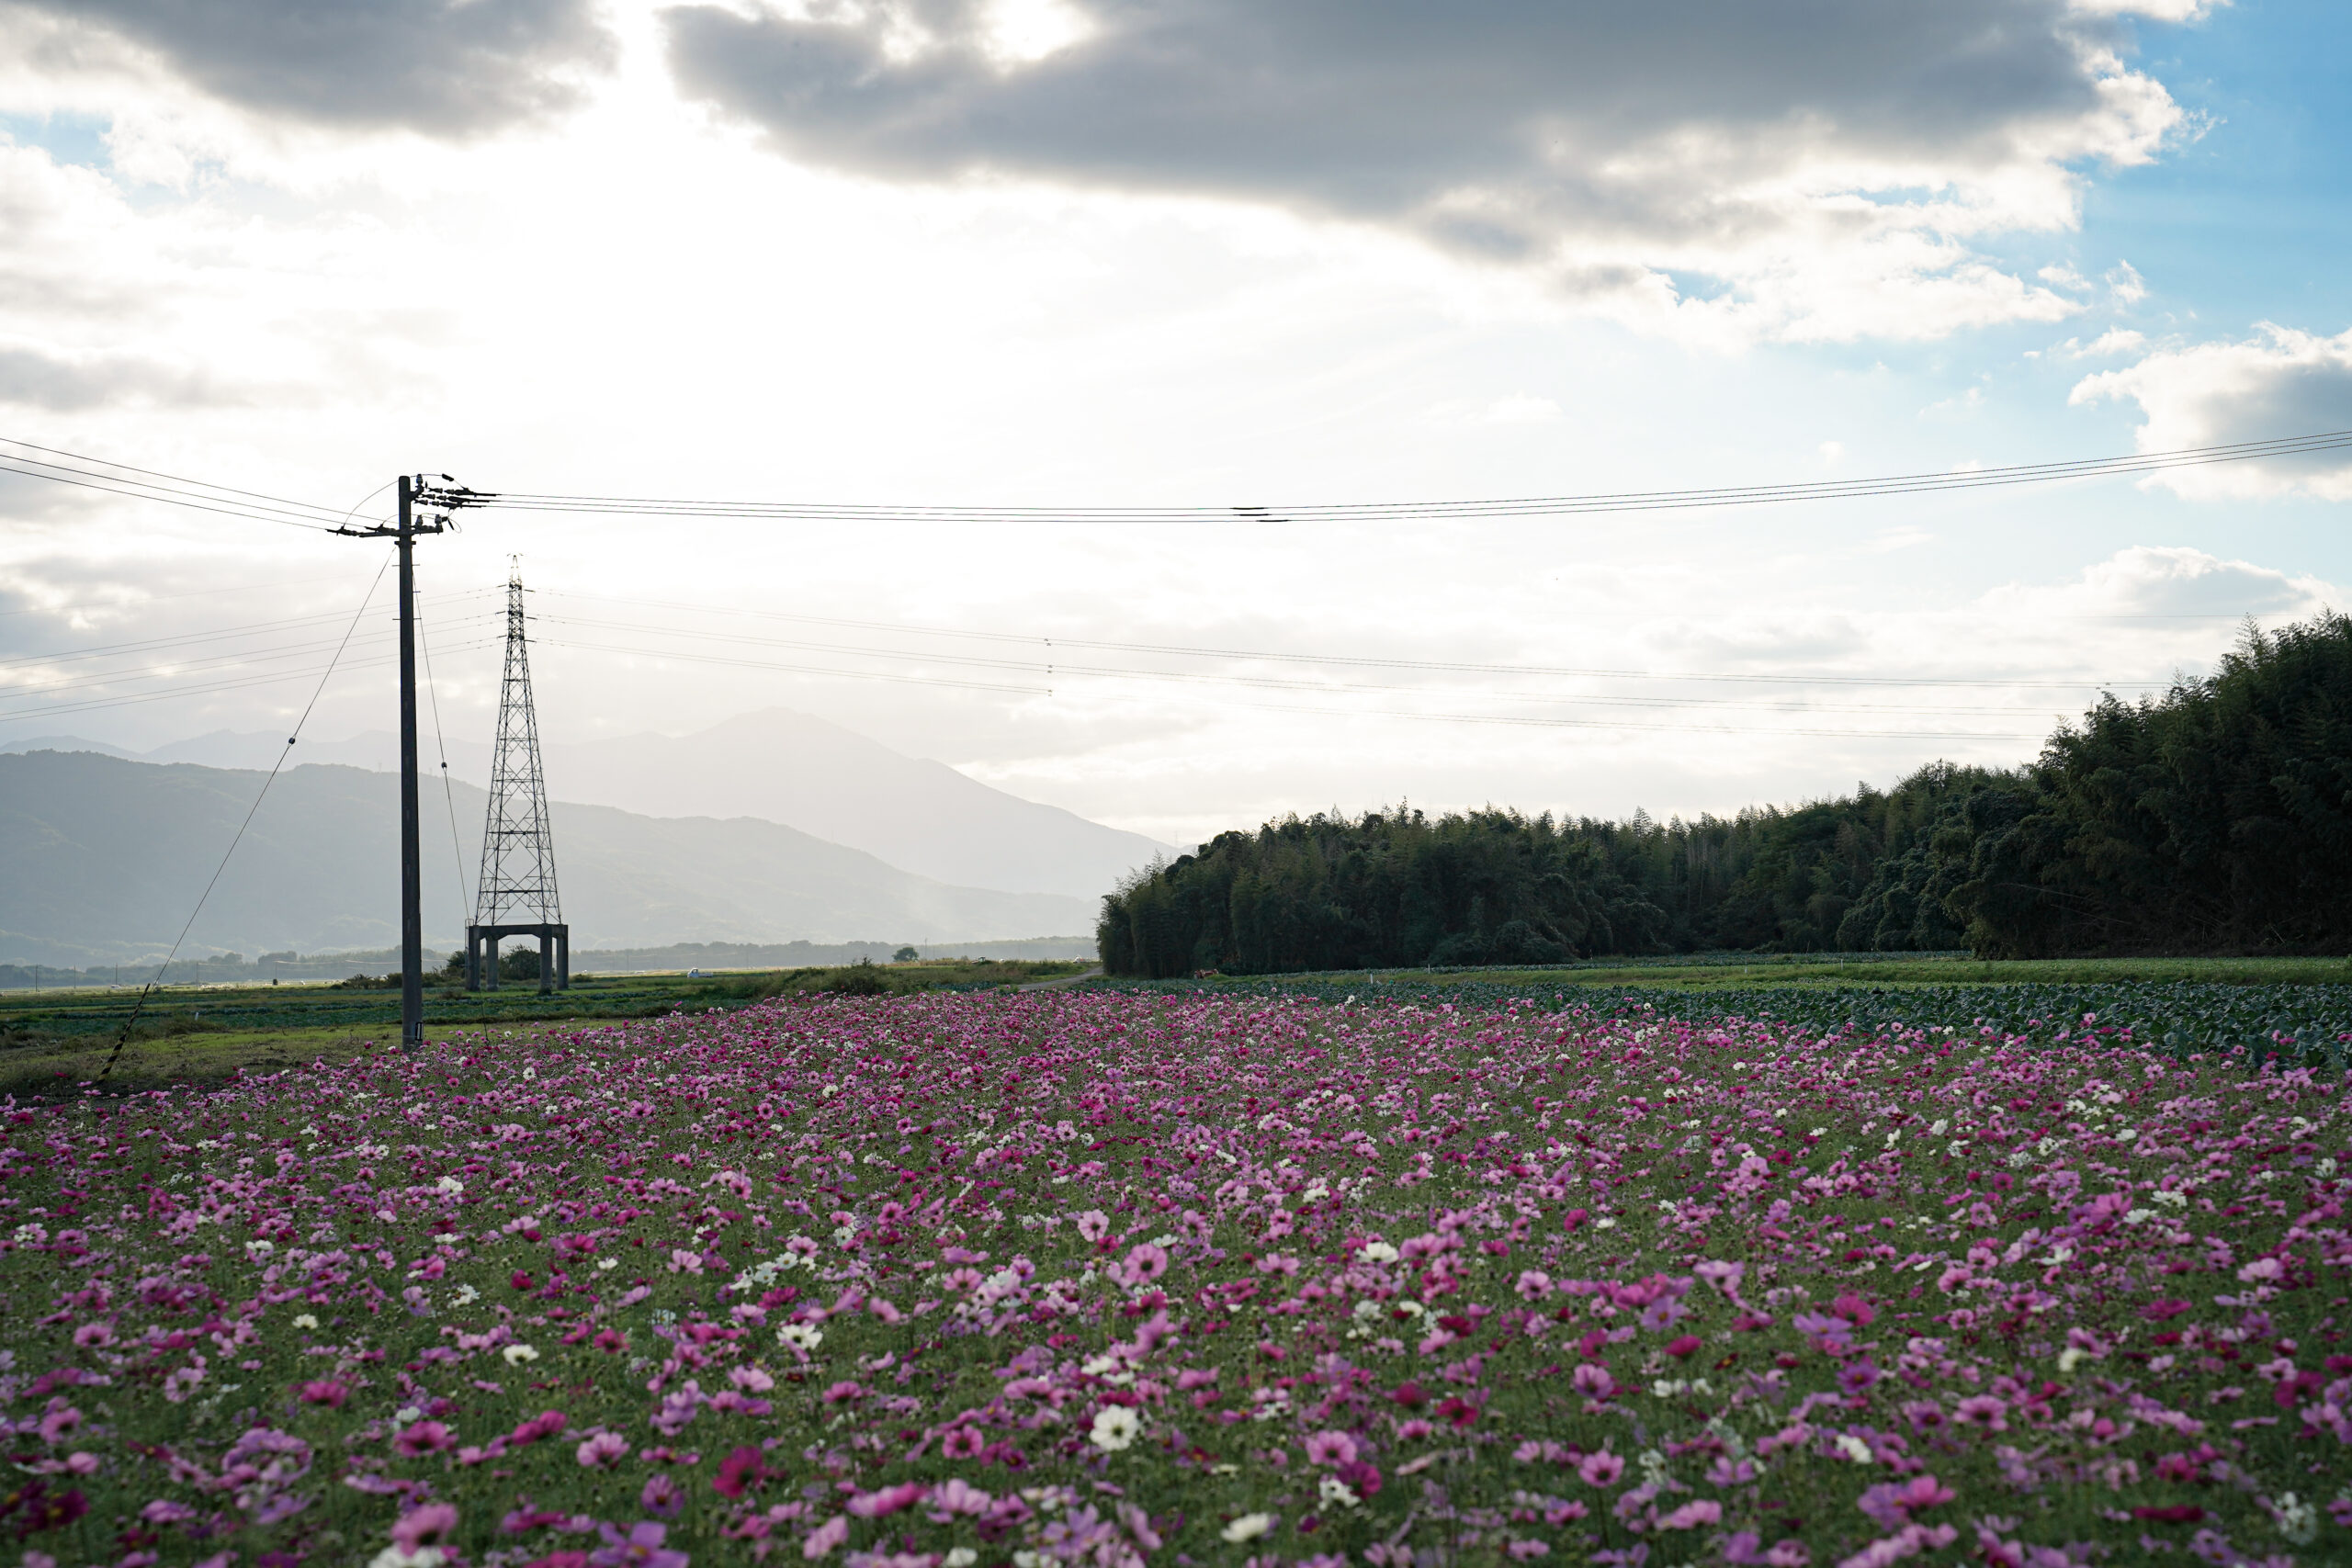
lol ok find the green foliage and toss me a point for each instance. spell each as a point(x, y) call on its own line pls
point(2215, 820)
point(1399, 889)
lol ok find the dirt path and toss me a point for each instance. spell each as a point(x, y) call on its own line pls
point(1065, 982)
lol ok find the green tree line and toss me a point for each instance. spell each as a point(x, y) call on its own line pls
point(2215, 819)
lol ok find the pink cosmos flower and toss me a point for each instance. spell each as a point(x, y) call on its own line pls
point(956, 1497)
point(1146, 1263)
point(640, 1547)
point(1691, 1515)
point(424, 1438)
point(330, 1394)
point(427, 1525)
point(1600, 1469)
point(601, 1451)
point(1330, 1448)
point(1986, 1410)
point(1683, 1345)
point(888, 1500)
point(825, 1537)
point(740, 1470)
point(546, 1424)
point(843, 1392)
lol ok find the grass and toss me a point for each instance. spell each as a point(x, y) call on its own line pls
point(52, 1040)
point(1799, 969)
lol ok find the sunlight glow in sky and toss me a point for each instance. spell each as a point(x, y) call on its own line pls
point(1187, 252)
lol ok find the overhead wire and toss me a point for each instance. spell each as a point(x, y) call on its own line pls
point(1455, 717)
point(1340, 660)
point(449, 793)
point(146, 599)
point(1593, 503)
point(246, 656)
point(259, 796)
point(172, 490)
point(96, 704)
point(1062, 667)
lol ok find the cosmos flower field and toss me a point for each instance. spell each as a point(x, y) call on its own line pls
point(1110, 1278)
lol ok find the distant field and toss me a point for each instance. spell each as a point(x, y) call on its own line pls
point(2298, 1008)
point(188, 1034)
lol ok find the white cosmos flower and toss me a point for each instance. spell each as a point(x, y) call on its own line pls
point(1115, 1426)
point(1337, 1493)
point(451, 1185)
point(517, 1354)
point(1249, 1526)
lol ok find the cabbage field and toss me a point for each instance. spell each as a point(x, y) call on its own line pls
point(1128, 1277)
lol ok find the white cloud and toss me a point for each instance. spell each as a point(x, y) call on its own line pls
point(2279, 383)
point(1722, 175)
point(2161, 582)
point(2115, 340)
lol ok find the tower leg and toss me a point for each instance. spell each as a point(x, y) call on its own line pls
point(547, 960)
point(490, 960)
point(563, 957)
point(473, 959)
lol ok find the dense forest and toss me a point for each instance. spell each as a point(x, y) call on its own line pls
point(2216, 818)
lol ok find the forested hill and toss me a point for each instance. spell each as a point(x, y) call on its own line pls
point(2217, 819)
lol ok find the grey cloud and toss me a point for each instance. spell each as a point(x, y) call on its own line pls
point(2282, 382)
point(1488, 125)
point(37, 379)
point(445, 68)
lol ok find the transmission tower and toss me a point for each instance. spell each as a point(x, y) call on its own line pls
point(517, 896)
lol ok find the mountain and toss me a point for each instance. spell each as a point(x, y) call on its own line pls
point(782, 766)
point(102, 857)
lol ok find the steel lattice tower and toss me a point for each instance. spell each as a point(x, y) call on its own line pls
point(516, 893)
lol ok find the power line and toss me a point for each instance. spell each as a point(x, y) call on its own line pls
point(1341, 661)
point(253, 655)
point(1538, 721)
point(112, 649)
point(1060, 667)
point(259, 796)
point(51, 711)
point(1433, 511)
point(148, 484)
point(147, 599)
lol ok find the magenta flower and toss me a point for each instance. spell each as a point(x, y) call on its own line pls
point(1986, 1410)
point(740, 1470)
point(601, 1451)
point(1330, 1448)
point(640, 1547)
point(661, 1497)
point(427, 1525)
point(1600, 1469)
point(424, 1438)
point(330, 1394)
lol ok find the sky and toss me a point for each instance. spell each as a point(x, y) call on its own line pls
point(1181, 253)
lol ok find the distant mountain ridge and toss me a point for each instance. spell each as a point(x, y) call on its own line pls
point(786, 767)
point(101, 859)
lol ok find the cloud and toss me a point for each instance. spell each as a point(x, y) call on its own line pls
point(446, 69)
point(2278, 383)
point(68, 383)
point(1727, 172)
point(2162, 582)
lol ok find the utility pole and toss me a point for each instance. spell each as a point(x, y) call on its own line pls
point(414, 494)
